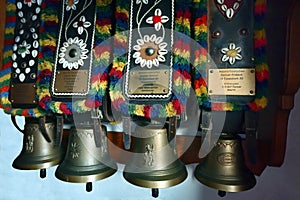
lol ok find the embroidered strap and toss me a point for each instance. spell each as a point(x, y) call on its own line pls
point(201, 59)
point(181, 56)
point(45, 34)
point(95, 88)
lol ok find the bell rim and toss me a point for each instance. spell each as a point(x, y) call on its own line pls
point(18, 163)
point(84, 178)
point(164, 181)
point(227, 186)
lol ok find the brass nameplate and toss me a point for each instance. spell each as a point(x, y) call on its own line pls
point(148, 82)
point(71, 82)
point(24, 93)
point(234, 81)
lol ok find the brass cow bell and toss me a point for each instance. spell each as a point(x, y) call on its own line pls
point(84, 161)
point(154, 162)
point(38, 151)
point(224, 167)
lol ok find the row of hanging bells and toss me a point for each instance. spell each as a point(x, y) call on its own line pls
point(153, 164)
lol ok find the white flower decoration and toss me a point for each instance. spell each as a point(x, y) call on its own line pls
point(231, 54)
point(81, 25)
point(157, 19)
point(71, 4)
point(23, 49)
point(29, 2)
point(73, 53)
point(139, 1)
point(150, 51)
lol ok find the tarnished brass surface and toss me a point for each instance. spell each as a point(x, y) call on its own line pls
point(154, 162)
point(224, 167)
point(37, 153)
point(24, 93)
point(71, 81)
point(84, 162)
point(233, 81)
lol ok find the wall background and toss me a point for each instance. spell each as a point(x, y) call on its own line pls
point(273, 184)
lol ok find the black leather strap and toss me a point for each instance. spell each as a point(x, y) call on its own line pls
point(42, 125)
point(14, 121)
point(97, 132)
point(251, 135)
point(59, 129)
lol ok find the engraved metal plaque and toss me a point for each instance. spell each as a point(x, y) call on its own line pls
point(71, 82)
point(233, 81)
point(148, 82)
point(24, 93)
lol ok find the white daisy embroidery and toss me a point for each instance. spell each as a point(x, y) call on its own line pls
point(150, 51)
point(157, 19)
point(71, 4)
point(231, 54)
point(81, 25)
point(73, 53)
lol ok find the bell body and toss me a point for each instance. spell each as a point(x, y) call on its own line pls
point(37, 153)
point(84, 162)
point(154, 162)
point(224, 167)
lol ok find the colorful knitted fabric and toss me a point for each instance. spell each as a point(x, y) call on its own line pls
point(200, 68)
point(101, 60)
point(181, 64)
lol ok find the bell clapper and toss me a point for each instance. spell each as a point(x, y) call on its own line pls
point(221, 193)
point(89, 186)
point(155, 192)
point(43, 173)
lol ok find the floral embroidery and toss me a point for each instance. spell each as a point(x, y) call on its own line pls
point(23, 49)
point(150, 51)
point(71, 4)
point(231, 54)
point(157, 19)
point(72, 53)
point(81, 25)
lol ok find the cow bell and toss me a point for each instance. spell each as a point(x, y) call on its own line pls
point(224, 167)
point(39, 150)
point(86, 162)
point(154, 162)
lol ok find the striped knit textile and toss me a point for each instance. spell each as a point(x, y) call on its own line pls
point(181, 64)
point(261, 67)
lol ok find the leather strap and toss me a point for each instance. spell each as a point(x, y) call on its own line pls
point(173, 121)
point(231, 47)
point(25, 55)
point(14, 121)
point(42, 125)
point(251, 135)
point(96, 117)
point(59, 129)
point(126, 122)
